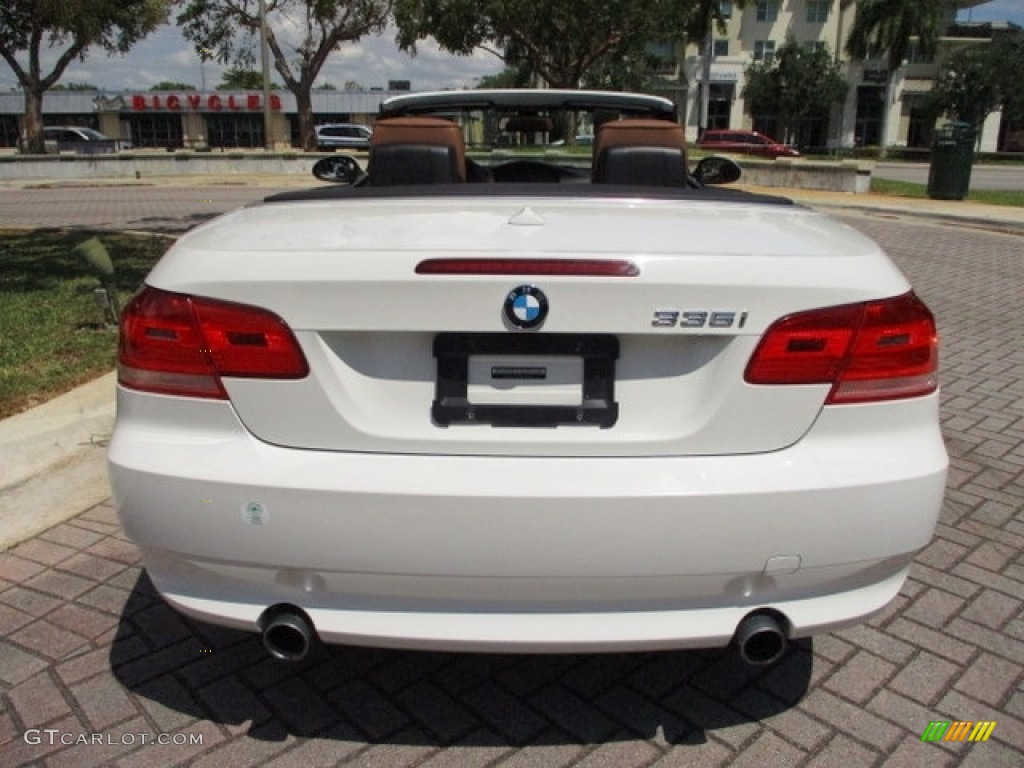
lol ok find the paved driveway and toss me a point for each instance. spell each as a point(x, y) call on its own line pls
point(94, 668)
point(161, 208)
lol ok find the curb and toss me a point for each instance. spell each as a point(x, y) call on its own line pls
point(989, 225)
point(54, 459)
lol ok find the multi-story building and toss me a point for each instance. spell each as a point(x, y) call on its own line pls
point(877, 101)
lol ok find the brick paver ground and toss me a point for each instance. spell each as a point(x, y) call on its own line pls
point(89, 652)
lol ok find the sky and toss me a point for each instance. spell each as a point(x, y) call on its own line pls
point(371, 62)
point(996, 10)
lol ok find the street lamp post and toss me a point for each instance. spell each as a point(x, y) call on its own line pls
point(265, 58)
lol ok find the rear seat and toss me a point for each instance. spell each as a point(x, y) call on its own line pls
point(640, 151)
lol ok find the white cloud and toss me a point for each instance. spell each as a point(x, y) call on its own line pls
point(166, 55)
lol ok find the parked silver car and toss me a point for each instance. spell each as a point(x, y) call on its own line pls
point(343, 136)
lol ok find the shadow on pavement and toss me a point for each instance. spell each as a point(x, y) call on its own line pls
point(418, 698)
point(171, 225)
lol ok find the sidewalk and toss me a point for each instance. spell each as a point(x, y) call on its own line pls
point(1001, 218)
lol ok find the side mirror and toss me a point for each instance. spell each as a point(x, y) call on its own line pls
point(340, 169)
point(717, 170)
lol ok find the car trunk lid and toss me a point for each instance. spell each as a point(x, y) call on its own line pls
point(409, 359)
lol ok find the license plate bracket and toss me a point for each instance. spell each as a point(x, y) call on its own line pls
point(597, 406)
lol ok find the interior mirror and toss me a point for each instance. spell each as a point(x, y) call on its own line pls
point(341, 169)
point(717, 170)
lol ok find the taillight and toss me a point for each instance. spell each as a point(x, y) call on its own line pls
point(879, 350)
point(504, 266)
point(182, 345)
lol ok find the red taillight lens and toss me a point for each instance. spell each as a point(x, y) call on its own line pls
point(880, 350)
point(181, 345)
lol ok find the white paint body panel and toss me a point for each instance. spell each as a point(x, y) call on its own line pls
point(707, 500)
point(343, 278)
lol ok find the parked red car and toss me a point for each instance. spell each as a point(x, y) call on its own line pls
point(745, 143)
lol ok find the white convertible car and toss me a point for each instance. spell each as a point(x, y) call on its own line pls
point(503, 393)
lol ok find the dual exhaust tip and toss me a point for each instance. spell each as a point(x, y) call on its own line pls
point(761, 638)
point(288, 635)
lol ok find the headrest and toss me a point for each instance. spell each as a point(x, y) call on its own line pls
point(640, 151)
point(396, 139)
point(637, 132)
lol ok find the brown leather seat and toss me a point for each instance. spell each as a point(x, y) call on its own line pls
point(640, 151)
point(416, 150)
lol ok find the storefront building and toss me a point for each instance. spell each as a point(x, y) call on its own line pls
point(173, 120)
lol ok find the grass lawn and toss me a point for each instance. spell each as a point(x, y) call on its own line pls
point(52, 337)
point(910, 189)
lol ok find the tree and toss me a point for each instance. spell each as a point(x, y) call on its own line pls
point(509, 77)
point(301, 34)
point(890, 26)
point(558, 40)
point(1008, 63)
point(797, 84)
point(26, 26)
point(979, 79)
point(967, 87)
point(639, 71)
point(169, 85)
point(241, 79)
point(75, 87)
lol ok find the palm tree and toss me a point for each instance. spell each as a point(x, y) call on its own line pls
point(891, 26)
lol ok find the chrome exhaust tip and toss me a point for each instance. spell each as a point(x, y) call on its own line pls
point(287, 633)
point(761, 638)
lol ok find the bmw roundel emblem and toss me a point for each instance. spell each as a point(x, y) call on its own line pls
point(526, 306)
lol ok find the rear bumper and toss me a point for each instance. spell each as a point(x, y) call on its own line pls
point(527, 553)
point(597, 631)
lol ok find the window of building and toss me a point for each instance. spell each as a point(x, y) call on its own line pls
point(663, 57)
point(767, 10)
point(8, 131)
point(235, 130)
point(82, 121)
point(721, 48)
point(817, 11)
point(868, 126)
point(720, 101)
point(764, 51)
point(725, 9)
point(156, 130)
point(914, 55)
point(815, 45)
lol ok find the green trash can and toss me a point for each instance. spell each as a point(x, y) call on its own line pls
point(949, 176)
